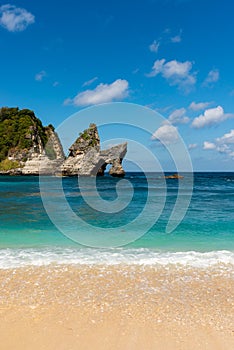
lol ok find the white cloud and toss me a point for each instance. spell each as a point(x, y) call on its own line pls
point(166, 134)
point(89, 82)
point(212, 77)
point(39, 76)
point(223, 148)
point(177, 73)
point(227, 138)
point(208, 145)
point(211, 117)
point(15, 19)
point(198, 106)
point(223, 144)
point(192, 146)
point(55, 84)
point(154, 46)
point(178, 116)
point(175, 68)
point(103, 93)
point(157, 68)
point(177, 38)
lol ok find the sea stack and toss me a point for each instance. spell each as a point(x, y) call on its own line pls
point(86, 158)
point(29, 148)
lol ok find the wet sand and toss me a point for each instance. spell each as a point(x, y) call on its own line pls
point(116, 307)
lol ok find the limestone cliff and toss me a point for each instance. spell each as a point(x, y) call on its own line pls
point(86, 158)
point(25, 142)
point(29, 148)
point(45, 160)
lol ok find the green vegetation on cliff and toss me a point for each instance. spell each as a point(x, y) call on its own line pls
point(88, 138)
point(19, 130)
point(7, 164)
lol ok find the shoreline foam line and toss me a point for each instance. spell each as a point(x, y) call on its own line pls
point(17, 258)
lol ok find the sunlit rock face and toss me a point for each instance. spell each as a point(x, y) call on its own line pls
point(47, 160)
point(86, 158)
point(45, 155)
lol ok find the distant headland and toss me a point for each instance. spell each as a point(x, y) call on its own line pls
point(29, 148)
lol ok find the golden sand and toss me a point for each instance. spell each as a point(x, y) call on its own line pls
point(116, 307)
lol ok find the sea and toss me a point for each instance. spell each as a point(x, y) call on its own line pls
point(202, 237)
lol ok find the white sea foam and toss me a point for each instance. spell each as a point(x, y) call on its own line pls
point(16, 258)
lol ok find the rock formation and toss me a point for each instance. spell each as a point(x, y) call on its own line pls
point(45, 160)
point(86, 158)
point(33, 149)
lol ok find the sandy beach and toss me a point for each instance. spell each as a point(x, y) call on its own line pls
point(117, 175)
point(116, 307)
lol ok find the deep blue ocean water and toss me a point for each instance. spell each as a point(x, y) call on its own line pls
point(206, 232)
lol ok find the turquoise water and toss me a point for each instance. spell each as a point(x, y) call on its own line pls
point(207, 227)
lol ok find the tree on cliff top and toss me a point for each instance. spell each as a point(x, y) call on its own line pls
point(16, 130)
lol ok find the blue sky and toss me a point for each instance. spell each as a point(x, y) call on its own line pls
point(174, 56)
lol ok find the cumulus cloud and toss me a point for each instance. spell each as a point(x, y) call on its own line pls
point(223, 144)
point(211, 117)
point(198, 106)
point(227, 138)
point(89, 82)
point(154, 46)
point(40, 76)
point(15, 19)
point(212, 77)
point(223, 148)
point(208, 145)
point(178, 116)
point(166, 134)
point(175, 72)
point(103, 93)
